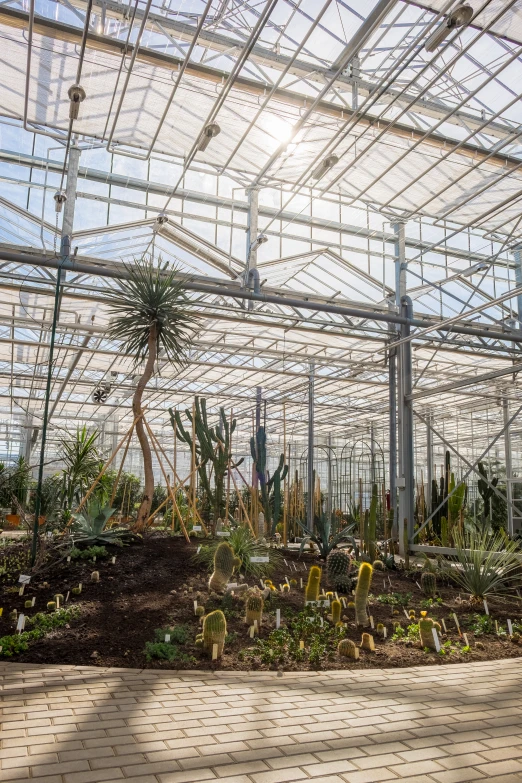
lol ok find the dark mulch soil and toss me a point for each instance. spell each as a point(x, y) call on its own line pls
point(120, 613)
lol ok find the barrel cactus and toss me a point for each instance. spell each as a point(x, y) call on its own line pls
point(429, 584)
point(348, 649)
point(367, 642)
point(338, 566)
point(426, 626)
point(224, 563)
point(214, 632)
point(254, 609)
point(378, 565)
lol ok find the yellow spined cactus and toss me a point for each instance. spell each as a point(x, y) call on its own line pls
point(224, 563)
point(336, 612)
point(426, 626)
point(348, 649)
point(313, 585)
point(364, 580)
point(367, 642)
point(214, 632)
point(254, 609)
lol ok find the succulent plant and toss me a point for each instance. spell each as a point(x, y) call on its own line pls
point(214, 632)
point(367, 642)
point(95, 576)
point(200, 611)
point(76, 590)
point(28, 604)
point(429, 584)
point(293, 582)
point(13, 615)
point(51, 606)
point(286, 588)
point(348, 649)
point(336, 612)
point(313, 585)
point(378, 565)
point(361, 594)
point(254, 609)
point(426, 626)
point(224, 563)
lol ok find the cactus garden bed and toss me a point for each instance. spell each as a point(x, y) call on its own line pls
point(141, 613)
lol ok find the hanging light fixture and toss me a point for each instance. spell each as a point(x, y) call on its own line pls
point(209, 132)
point(325, 165)
point(460, 17)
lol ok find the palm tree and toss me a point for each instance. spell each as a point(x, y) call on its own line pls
point(82, 464)
point(150, 315)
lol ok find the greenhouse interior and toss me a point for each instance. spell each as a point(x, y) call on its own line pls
point(260, 407)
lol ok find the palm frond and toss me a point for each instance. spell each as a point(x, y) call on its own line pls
point(152, 296)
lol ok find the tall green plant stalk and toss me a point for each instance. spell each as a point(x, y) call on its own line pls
point(149, 315)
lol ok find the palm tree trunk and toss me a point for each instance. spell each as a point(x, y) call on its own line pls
point(148, 489)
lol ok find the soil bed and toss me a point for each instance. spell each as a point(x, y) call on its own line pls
point(120, 613)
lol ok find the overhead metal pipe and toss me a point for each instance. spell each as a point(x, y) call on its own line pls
point(236, 292)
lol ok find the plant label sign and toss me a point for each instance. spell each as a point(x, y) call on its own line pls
point(456, 622)
point(20, 625)
point(197, 528)
point(68, 558)
point(24, 579)
point(223, 533)
point(214, 652)
point(278, 618)
point(444, 625)
point(21, 590)
point(486, 608)
point(436, 639)
point(464, 636)
point(260, 559)
point(198, 549)
point(113, 560)
point(510, 627)
point(384, 632)
point(371, 621)
point(167, 637)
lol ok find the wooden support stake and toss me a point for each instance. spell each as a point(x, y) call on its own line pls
point(115, 488)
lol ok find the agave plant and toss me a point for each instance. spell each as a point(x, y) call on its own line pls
point(90, 526)
point(323, 537)
point(149, 314)
point(483, 564)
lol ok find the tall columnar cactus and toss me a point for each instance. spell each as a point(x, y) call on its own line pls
point(429, 584)
point(270, 487)
point(485, 490)
point(444, 531)
point(348, 649)
point(212, 449)
point(338, 566)
point(313, 585)
point(214, 632)
point(435, 503)
point(336, 612)
point(426, 626)
point(361, 594)
point(455, 502)
point(224, 563)
point(254, 609)
point(371, 540)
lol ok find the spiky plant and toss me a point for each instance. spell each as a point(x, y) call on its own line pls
point(90, 526)
point(150, 314)
point(81, 464)
point(483, 564)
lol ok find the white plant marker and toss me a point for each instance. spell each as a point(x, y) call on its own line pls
point(57, 602)
point(384, 632)
point(384, 584)
point(389, 580)
point(21, 590)
point(301, 580)
point(464, 636)
point(262, 584)
point(20, 625)
point(444, 625)
point(371, 621)
point(486, 608)
point(113, 560)
point(251, 631)
point(510, 627)
point(287, 582)
point(406, 614)
point(281, 587)
point(195, 606)
point(496, 627)
point(80, 587)
point(255, 626)
point(336, 596)
point(198, 549)
point(197, 528)
point(24, 579)
point(66, 597)
point(69, 559)
point(167, 637)
point(321, 620)
point(418, 585)
point(34, 600)
point(214, 652)
point(284, 561)
point(94, 559)
point(278, 618)
point(301, 645)
point(343, 599)
point(457, 623)
point(436, 639)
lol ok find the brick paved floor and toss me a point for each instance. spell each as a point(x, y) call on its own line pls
point(428, 725)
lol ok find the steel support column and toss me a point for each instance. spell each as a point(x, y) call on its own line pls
point(310, 482)
point(517, 255)
point(509, 465)
point(407, 490)
point(429, 460)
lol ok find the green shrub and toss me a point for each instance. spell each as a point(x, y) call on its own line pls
point(99, 552)
point(41, 625)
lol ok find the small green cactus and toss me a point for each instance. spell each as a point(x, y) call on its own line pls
point(224, 563)
point(293, 582)
point(367, 642)
point(429, 584)
point(338, 566)
point(95, 576)
point(214, 632)
point(200, 611)
point(60, 600)
point(380, 629)
point(286, 588)
point(313, 585)
point(348, 649)
point(51, 606)
point(28, 604)
point(426, 626)
point(336, 612)
point(378, 565)
point(76, 590)
point(13, 615)
point(361, 594)
point(254, 609)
